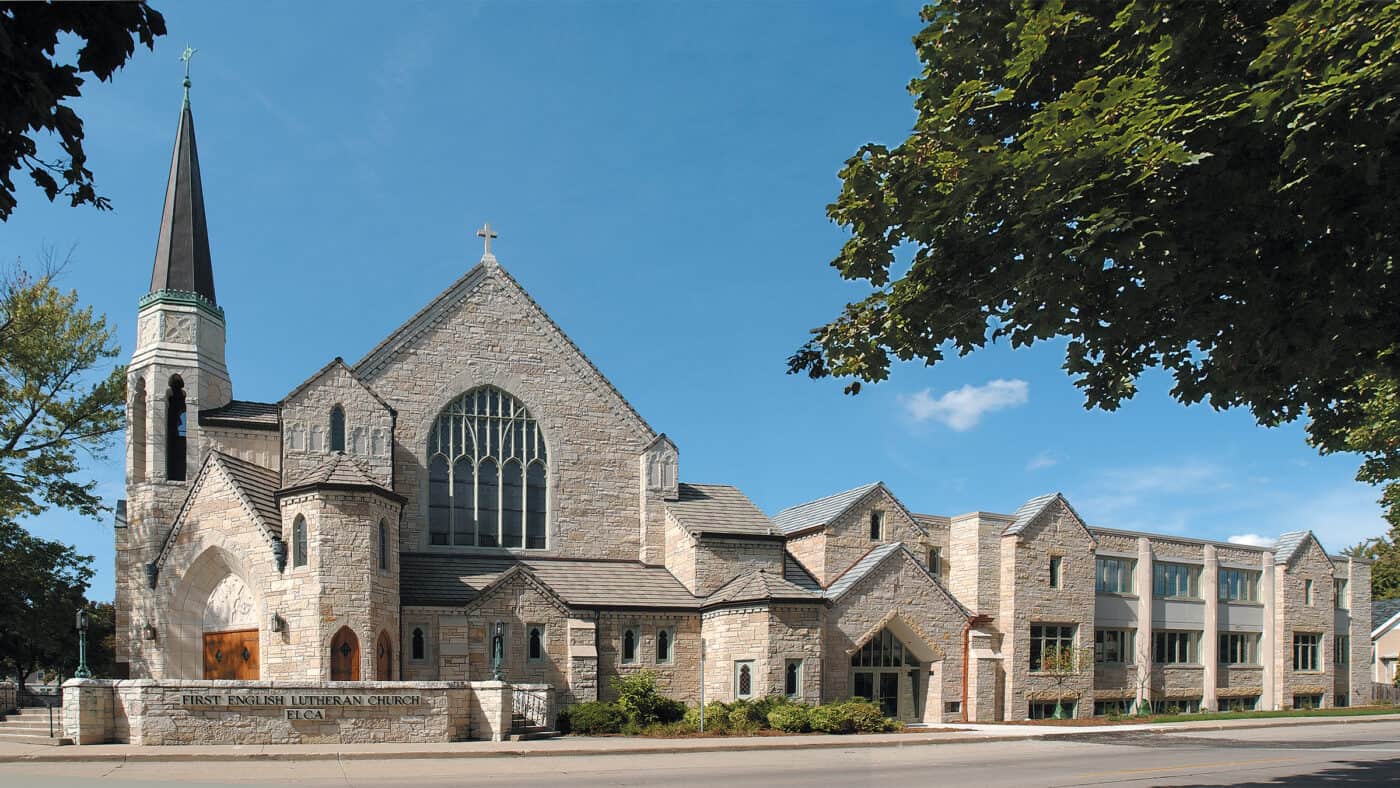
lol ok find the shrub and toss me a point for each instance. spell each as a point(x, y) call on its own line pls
point(716, 717)
point(790, 717)
point(592, 718)
point(766, 704)
point(642, 704)
point(830, 718)
point(864, 717)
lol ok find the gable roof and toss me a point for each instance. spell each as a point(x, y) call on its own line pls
point(718, 509)
point(1385, 614)
point(448, 580)
point(1289, 545)
point(253, 485)
point(824, 511)
point(339, 471)
point(333, 363)
point(428, 316)
point(872, 560)
point(242, 414)
point(794, 572)
point(526, 576)
point(1037, 506)
point(758, 585)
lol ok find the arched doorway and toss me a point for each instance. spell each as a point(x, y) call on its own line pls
point(230, 632)
point(384, 658)
point(214, 617)
point(345, 656)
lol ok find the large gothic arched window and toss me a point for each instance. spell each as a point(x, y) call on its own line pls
point(487, 474)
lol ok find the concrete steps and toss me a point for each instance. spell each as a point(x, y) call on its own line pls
point(522, 730)
point(31, 726)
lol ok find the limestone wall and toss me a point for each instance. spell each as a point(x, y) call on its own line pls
point(680, 553)
point(493, 334)
point(1296, 616)
point(719, 560)
point(306, 424)
point(677, 678)
point(733, 635)
point(810, 551)
point(848, 536)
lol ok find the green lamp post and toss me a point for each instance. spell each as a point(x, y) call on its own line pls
point(82, 672)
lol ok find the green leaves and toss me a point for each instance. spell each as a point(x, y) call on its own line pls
point(55, 401)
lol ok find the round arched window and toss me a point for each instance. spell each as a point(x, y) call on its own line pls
point(487, 474)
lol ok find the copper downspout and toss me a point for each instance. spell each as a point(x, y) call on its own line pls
point(967, 640)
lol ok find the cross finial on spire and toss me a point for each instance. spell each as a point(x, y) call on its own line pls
point(487, 233)
point(185, 56)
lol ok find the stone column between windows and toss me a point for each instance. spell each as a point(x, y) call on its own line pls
point(1268, 644)
point(1142, 646)
point(1210, 627)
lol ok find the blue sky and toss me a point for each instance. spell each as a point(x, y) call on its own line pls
point(658, 174)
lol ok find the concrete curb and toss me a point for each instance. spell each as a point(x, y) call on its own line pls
point(173, 754)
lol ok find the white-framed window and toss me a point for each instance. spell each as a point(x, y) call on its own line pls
point(1239, 585)
point(487, 474)
point(665, 645)
point(1308, 593)
point(935, 561)
point(1307, 648)
point(534, 643)
point(1341, 649)
point(299, 541)
point(1113, 646)
point(1056, 570)
point(1174, 648)
point(629, 646)
point(792, 678)
point(1176, 580)
point(418, 644)
point(744, 678)
point(1339, 592)
point(1047, 637)
point(877, 525)
point(1113, 575)
point(1239, 648)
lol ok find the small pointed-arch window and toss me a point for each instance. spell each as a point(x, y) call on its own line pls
point(337, 428)
point(664, 645)
point(299, 541)
point(417, 644)
point(536, 642)
point(175, 430)
point(629, 646)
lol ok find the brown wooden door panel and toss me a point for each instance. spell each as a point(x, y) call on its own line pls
point(231, 655)
point(345, 656)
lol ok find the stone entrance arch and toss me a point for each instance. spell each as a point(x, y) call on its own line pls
point(894, 666)
point(213, 596)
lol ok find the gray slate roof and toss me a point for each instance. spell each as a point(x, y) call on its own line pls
point(340, 471)
point(861, 568)
point(1382, 610)
point(242, 414)
point(718, 508)
point(820, 511)
point(794, 572)
point(259, 486)
point(1288, 544)
point(182, 245)
point(758, 585)
point(1033, 508)
point(445, 580)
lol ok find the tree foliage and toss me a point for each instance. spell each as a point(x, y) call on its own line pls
point(51, 408)
point(45, 583)
point(1206, 187)
point(35, 87)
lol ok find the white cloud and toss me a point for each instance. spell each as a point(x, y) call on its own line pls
point(1042, 460)
point(1253, 540)
point(961, 409)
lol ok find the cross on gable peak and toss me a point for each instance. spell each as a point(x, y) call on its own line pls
point(487, 233)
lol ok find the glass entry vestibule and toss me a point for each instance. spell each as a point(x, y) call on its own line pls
point(875, 672)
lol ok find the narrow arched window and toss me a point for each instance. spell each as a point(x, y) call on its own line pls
point(629, 646)
point(299, 541)
point(136, 417)
point(663, 646)
point(337, 428)
point(418, 643)
point(175, 430)
point(383, 546)
point(536, 643)
point(488, 471)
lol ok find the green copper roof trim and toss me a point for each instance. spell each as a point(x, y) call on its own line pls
point(183, 298)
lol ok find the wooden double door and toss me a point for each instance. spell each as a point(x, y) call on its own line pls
point(231, 655)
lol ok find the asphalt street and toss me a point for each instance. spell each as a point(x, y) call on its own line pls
point(1345, 755)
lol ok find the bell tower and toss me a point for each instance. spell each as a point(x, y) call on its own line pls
point(176, 371)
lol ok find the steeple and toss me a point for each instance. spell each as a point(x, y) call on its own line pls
point(182, 249)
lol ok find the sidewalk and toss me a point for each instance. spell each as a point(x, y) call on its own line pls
point(581, 745)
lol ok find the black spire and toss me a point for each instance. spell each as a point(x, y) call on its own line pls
point(182, 250)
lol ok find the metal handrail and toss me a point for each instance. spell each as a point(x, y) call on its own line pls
point(532, 705)
point(47, 696)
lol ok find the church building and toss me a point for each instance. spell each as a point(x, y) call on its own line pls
point(473, 486)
